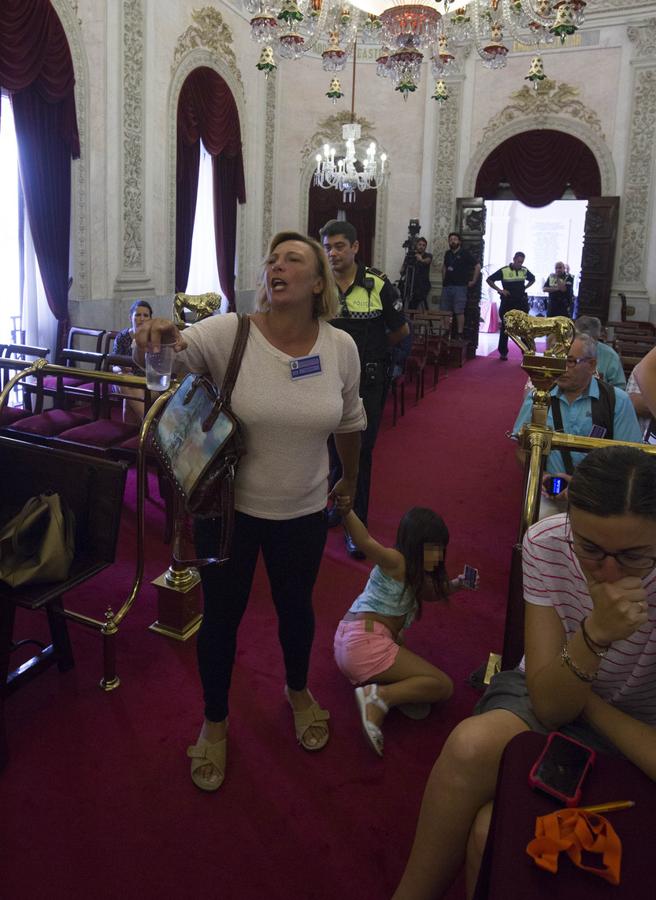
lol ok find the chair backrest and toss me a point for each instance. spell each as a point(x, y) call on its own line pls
point(85, 338)
point(92, 487)
point(108, 341)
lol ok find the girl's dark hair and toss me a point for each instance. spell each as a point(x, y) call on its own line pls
point(421, 526)
point(615, 481)
point(137, 303)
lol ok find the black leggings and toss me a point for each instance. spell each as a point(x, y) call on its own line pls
point(292, 550)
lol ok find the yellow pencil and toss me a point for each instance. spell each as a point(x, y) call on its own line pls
point(608, 807)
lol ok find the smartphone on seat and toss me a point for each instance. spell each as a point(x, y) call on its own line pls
point(561, 768)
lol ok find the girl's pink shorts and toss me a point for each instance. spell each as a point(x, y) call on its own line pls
point(364, 649)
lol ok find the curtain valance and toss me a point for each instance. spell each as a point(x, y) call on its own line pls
point(539, 166)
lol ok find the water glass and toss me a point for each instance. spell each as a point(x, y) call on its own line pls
point(158, 368)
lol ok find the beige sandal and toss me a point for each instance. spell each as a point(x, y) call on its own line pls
point(308, 718)
point(204, 753)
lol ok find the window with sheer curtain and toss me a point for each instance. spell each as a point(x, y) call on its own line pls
point(25, 316)
point(203, 269)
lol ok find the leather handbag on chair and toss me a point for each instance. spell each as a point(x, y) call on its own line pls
point(38, 544)
point(199, 441)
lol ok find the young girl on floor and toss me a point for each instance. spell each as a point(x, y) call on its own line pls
point(369, 640)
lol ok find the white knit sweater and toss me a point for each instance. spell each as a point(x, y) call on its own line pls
point(286, 423)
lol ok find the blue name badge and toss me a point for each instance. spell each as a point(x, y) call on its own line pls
point(305, 366)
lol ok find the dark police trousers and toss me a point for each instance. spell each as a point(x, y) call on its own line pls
point(507, 304)
point(373, 399)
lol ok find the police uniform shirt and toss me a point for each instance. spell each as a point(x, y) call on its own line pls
point(514, 280)
point(458, 267)
point(367, 315)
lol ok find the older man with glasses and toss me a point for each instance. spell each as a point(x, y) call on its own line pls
point(584, 405)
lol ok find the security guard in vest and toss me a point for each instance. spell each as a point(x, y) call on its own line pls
point(371, 312)
point(514, 278)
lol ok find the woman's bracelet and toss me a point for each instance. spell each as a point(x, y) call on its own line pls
point(567, 660)
point(599, 650)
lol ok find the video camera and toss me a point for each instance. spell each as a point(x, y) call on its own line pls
point(410, 244)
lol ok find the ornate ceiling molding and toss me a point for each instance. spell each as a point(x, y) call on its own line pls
point(643, 37)
point(209, 32)
point(551, 98)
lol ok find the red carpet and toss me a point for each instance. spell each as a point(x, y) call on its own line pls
point(96, 800)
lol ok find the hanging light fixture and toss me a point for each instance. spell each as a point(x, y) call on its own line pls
point(409, 32)
point(346, 173)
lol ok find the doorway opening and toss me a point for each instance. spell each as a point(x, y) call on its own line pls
point(546, 234)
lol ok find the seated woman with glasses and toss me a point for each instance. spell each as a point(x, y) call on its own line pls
point(589, 669)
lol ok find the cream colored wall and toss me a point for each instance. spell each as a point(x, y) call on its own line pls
point(278, 120)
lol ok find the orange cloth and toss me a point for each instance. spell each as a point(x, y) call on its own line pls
point(574, 831)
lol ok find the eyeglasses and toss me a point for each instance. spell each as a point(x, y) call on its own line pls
point(575, 360)
point(628, 559)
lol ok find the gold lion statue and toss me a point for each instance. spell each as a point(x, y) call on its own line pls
point(524, 329)
point(201, 305)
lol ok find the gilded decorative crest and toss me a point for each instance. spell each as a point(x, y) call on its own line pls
point(209, 32)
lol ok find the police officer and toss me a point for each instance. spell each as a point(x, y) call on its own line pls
point(514, 278)
point(370, 311)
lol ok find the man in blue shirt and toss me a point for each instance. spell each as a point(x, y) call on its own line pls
point(609, 365)
point(575, 390)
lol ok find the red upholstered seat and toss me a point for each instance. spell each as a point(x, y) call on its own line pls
point(11, 414)
point(52, 422)
point(103, 433)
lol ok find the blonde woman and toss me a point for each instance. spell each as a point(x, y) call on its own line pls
point(281, 487)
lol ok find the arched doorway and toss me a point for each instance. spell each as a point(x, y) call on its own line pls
point(537, 167)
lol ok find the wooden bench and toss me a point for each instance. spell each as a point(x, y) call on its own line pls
point(93, 489)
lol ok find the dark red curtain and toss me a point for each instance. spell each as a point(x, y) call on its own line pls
point(324, 204)
point(539, 166)
point(207, 111)
point(37, 70)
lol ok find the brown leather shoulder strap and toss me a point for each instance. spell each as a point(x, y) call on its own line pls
point(234, 363)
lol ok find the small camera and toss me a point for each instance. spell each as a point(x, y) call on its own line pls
point(414, 227)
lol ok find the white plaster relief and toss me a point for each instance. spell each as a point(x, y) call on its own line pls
point(80, 211)
point(446, 162)
point(269, 143)
point(208, 32)
point(637, 195)
point(133, 179)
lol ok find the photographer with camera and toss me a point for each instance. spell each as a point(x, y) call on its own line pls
point(371, 313)
point(415, 271)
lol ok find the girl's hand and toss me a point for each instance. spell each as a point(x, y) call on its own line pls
point(620, 608)
point(152, 333)
point(342, 495)
point(460, 583)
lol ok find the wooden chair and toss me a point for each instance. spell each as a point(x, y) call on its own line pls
point(30, 395)
point(93, 489)
point(632, 350)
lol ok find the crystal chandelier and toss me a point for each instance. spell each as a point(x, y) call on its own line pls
point(409, 33)
point(346, 173)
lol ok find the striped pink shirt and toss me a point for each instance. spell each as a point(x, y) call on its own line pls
point(553, 577)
